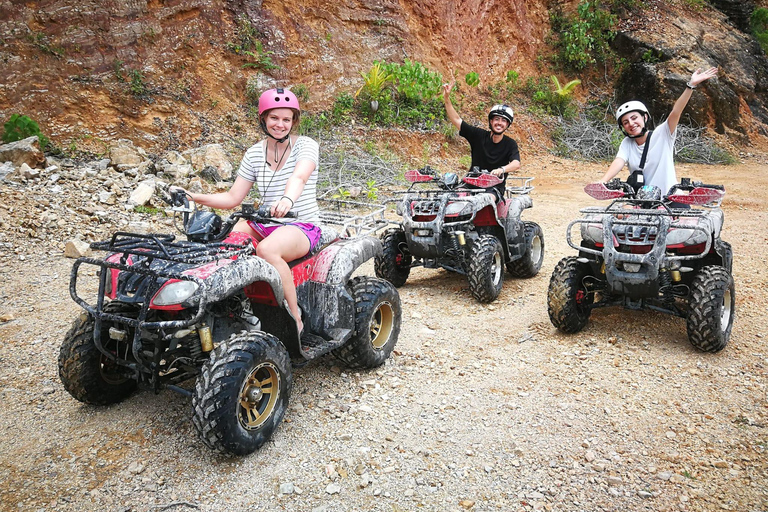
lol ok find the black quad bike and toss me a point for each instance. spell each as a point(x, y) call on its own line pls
point(461, 227)
point(645, 251)
point(168, 311)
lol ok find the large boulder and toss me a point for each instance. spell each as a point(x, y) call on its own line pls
point(25, 151)
point(124, 153)
point(212, 155)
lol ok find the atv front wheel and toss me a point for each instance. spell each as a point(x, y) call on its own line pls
point(393, 264)
point(242, 393)
point(486, 268)
point(86, 373)
point(711, 309)
point(568, 300)
point(377, 323)
point(530, 263)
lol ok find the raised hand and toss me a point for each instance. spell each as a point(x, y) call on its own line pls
point(699, 76)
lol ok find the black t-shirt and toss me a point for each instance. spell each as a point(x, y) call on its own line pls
point(486, 154)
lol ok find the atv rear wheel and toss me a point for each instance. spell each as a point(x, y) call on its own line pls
point(393, 264)
point(568, 300)
point(711, 309)
point(86, 373)
point(530, 264)
point(486, 268)
point(242, 393)
point(377, 323)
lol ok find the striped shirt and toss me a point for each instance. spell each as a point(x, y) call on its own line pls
point(271, 185)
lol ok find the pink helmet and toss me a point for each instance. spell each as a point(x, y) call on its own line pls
point(279, 98)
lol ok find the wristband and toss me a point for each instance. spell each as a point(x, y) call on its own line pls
point(688, 85)
point(288, 198)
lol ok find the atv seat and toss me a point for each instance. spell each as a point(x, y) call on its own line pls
point(327, 235)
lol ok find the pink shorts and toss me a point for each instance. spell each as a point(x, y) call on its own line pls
point(313, 232)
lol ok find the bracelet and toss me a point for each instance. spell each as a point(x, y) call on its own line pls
point(688, 85)
point(288, 198)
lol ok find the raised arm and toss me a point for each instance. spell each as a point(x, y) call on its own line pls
point(453, 116)
point(677, 110)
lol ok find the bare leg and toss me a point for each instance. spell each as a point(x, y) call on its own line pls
point(281, 246)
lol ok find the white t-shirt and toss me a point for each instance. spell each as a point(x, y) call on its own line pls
point(659, 163)
point(271, 185)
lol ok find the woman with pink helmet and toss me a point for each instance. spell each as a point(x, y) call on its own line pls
point(284, 169)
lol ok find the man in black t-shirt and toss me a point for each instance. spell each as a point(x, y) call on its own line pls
point(491, 150)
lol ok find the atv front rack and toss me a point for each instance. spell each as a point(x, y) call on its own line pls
point(641, 227)
point(347, 215)
point(145, 249)
point(166, 247)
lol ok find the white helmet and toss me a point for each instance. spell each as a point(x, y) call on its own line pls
point(503, 111)
point(630, 106)
point(633, 106)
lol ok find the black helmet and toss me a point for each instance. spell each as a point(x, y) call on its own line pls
point(504, 111)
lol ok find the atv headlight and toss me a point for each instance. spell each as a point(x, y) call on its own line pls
point(174, 292)
point(458, 208)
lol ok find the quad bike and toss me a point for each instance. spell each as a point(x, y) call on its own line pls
point(168, 311)
point(645, 251)
point(462, 228)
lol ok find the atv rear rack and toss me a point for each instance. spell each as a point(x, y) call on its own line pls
point(520, 185)
point(353, 223)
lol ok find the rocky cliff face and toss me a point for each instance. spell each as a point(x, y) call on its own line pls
point(163, 70)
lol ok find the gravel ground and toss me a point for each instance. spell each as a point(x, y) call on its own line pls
point(482, 407)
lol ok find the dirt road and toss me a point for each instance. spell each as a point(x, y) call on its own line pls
point(482, 407)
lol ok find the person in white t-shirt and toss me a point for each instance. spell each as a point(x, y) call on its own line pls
point(284, 169)
point(633, 118)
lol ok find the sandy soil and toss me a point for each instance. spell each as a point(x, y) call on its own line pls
point(482, 407)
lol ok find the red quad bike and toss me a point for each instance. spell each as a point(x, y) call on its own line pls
point(168, 311)
point(644, 251)
point(460, 227)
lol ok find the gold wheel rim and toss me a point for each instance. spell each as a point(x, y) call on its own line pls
point(258, 396)
point(380, 327)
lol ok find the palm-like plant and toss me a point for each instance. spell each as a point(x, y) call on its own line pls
point(376, 80)
point(564, 90)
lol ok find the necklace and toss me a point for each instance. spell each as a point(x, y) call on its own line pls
point(287, 148)
point(265, 191)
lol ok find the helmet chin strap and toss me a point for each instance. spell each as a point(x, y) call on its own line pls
point(643, 132)
point(264, 129)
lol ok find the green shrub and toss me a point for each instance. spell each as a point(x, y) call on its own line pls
point(301, 91)
point(472, 79)
point(137, 86)
point(19, 127)
point(262, 59)
point(246, 36)
point(342, 108)
point(584, 39)
point(414, 82)
point(759, 24)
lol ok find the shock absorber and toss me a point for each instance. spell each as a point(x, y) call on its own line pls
point(458, 241)
point(665, 286)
